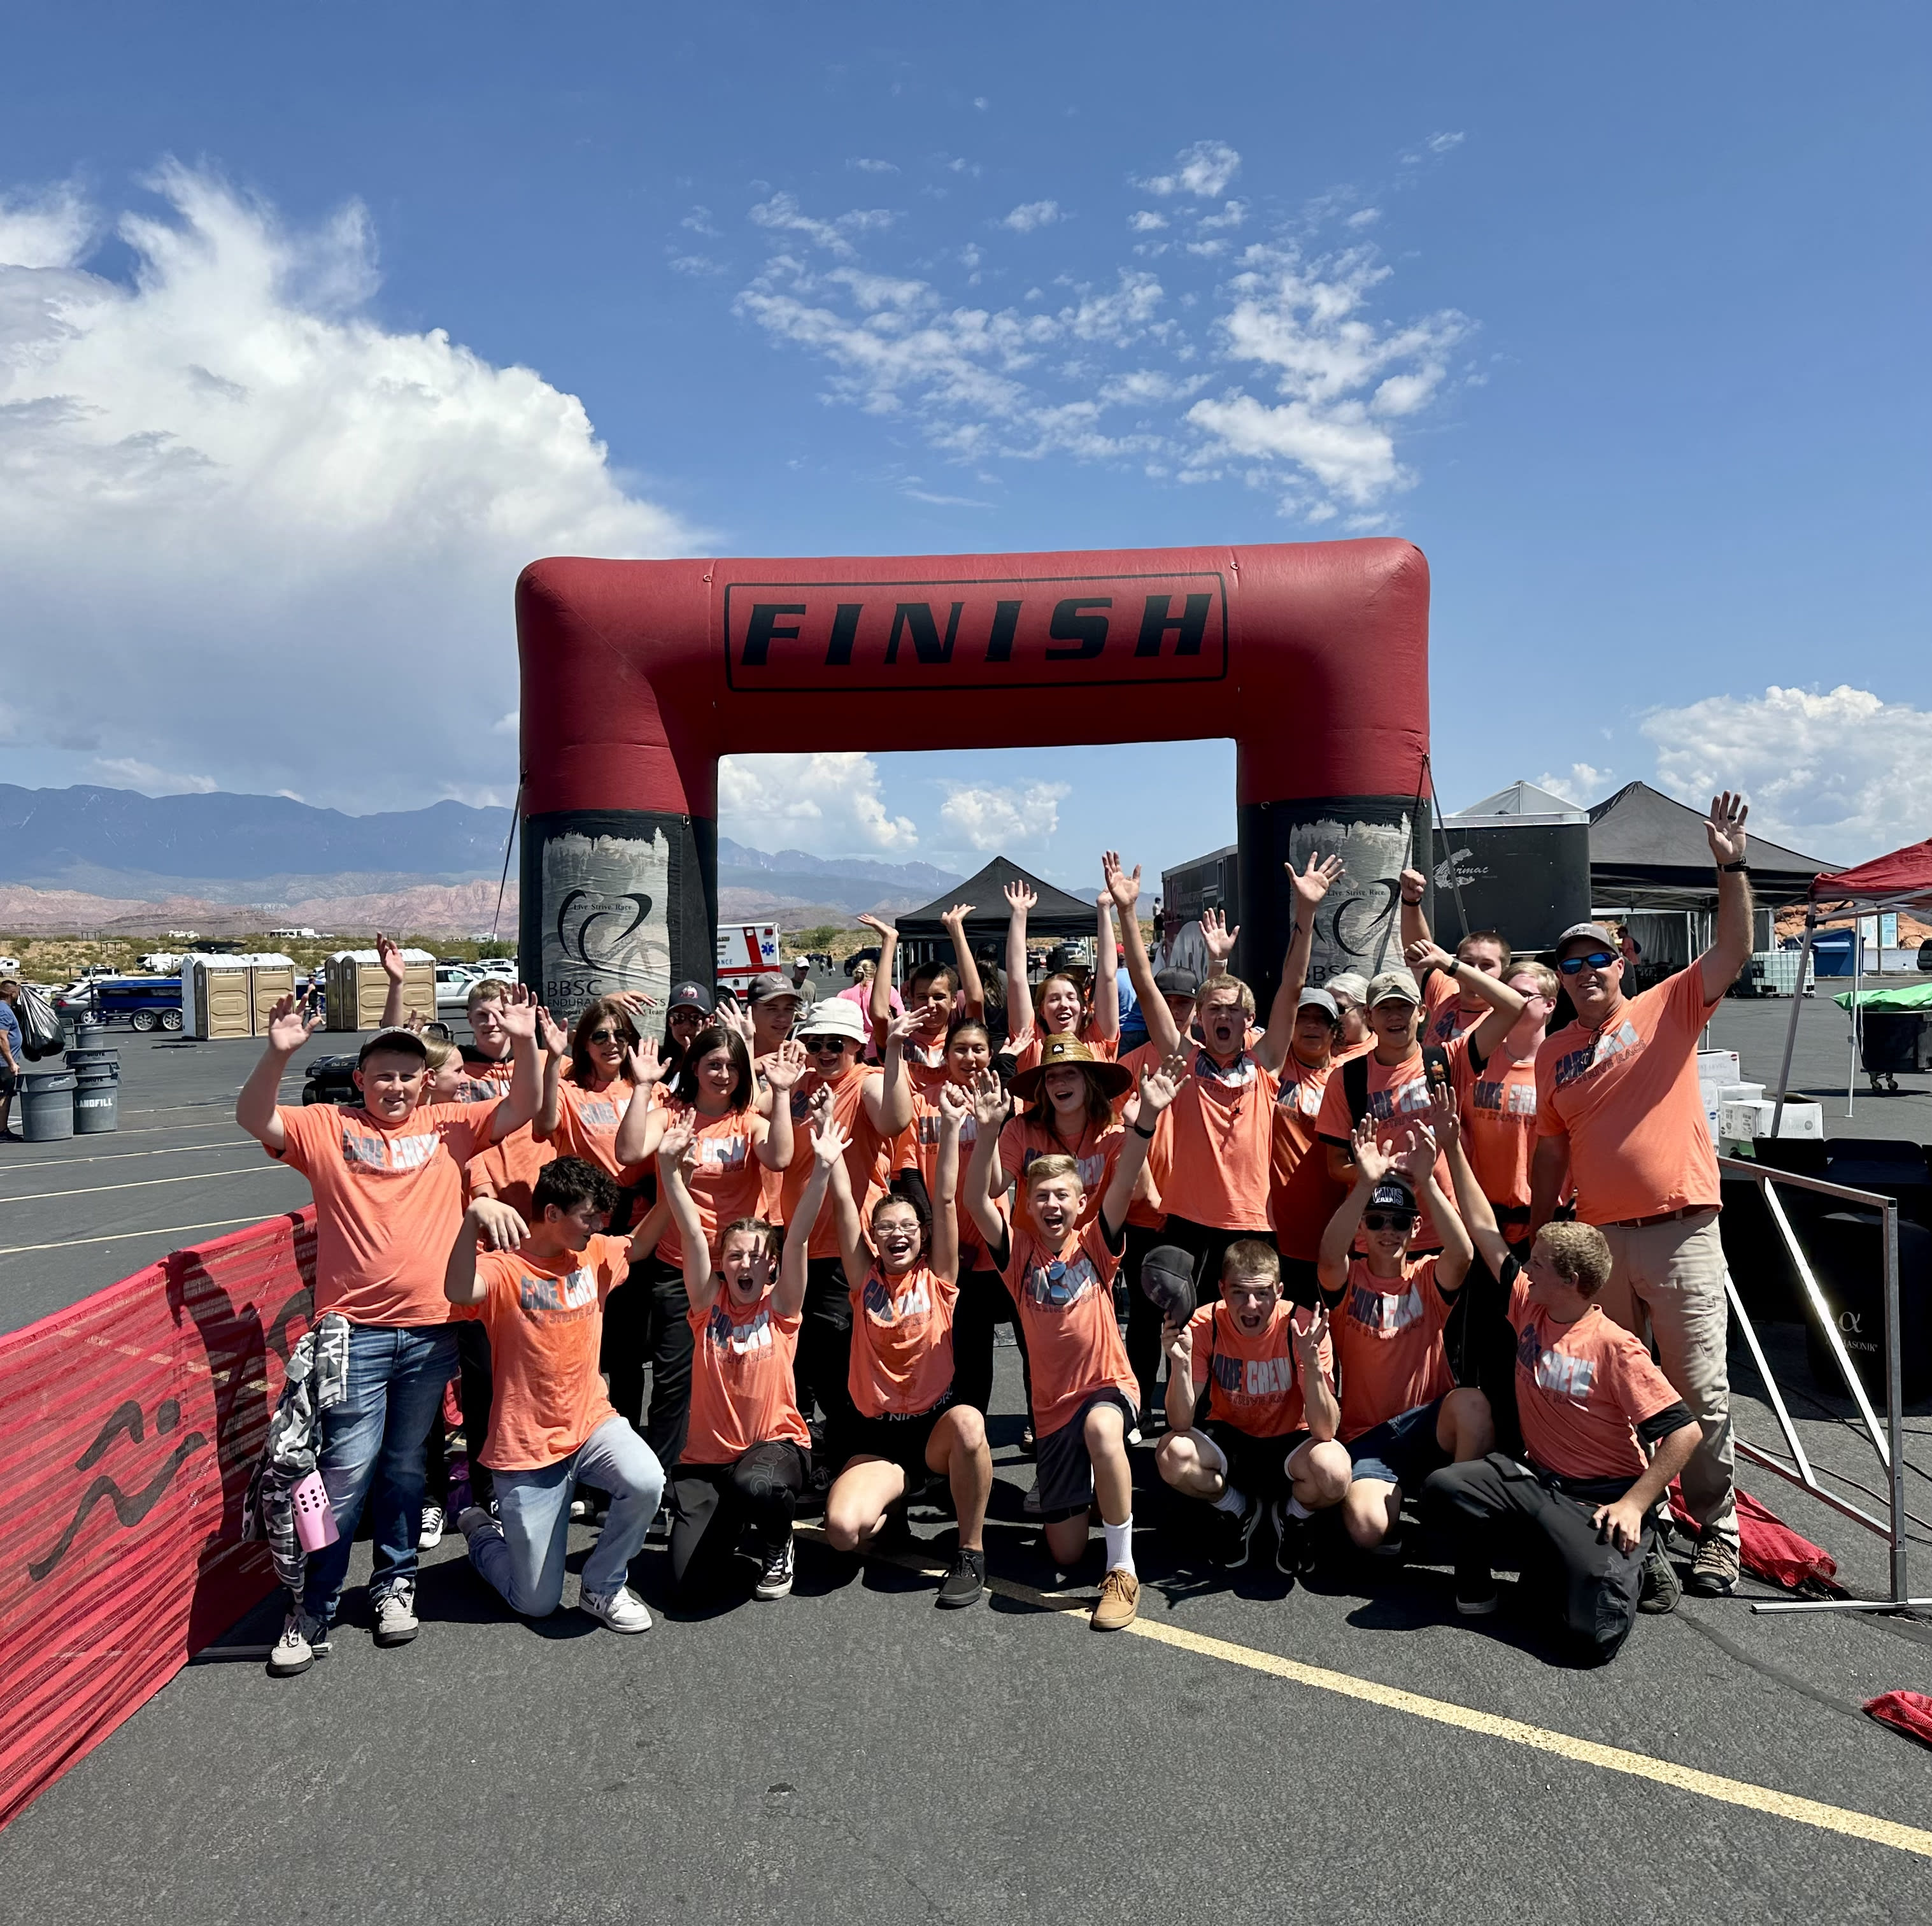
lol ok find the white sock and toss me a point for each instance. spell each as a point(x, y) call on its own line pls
point(1119, 1543)
point(1294, 1507)
point(1232, 1500)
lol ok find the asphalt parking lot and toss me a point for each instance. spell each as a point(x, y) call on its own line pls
point(1346, 1746)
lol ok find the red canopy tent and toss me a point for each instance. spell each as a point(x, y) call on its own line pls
point(1902, 880)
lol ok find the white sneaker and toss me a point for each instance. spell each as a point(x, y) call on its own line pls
point(396, 1616)
point(775, 1580)
point(430, 1536)
point(472, 1518)
point(622, 1610)
point(303, 1641)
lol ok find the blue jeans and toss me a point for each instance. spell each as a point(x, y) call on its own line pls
point(372, 1449)
point(524, 1559)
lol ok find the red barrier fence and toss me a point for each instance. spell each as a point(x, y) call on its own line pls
point(129, 1424)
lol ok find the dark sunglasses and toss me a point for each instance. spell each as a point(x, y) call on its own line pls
point(1382, 1220)
point(818, 1046)
point(1593, 959)
point(609, 1036)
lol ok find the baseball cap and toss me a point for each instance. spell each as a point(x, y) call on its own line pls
point(762, 989)
point(692, 996)
point(1314, 999)
point(834, 1016)
point(1595, 932)
point(393, 1038)
point(1393, 986)
point(1177, 982)
point(1348, 984)
point(1167, 1278)
point(1391, 1195)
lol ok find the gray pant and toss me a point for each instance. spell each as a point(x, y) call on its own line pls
point(1667, 1286)
point(522, 1558)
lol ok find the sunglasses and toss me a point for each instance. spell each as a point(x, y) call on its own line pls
point(609, 1036)
point(1593, 959)
point(1382, 1220)
point(819, 1046)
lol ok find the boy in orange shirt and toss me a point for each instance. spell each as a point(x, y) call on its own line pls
point(1604, 1432)
point(1453, 999)
point(1268, 1434)
point(539, 1288)
point(388, 1179)
point(1061, 1276)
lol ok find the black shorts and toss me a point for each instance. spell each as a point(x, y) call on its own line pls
point(899, 1441)
point(1402, 1450)
point(1256, 1467)
point(1063, 1471)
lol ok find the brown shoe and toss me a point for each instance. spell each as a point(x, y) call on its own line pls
point(1119, 1600)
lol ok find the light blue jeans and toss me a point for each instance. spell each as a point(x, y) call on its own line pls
point(524, 1559)
point(372, 1451)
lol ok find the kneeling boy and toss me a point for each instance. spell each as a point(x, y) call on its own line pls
point(1061, 1277)
point(539, 1291)
point(1268, 1434)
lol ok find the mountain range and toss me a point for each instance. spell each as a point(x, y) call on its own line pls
point(114, 860)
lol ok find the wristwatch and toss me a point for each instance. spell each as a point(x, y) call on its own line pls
point(1734, 869)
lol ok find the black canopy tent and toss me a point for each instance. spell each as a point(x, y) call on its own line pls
point(1065, 919)
point(1648, 852)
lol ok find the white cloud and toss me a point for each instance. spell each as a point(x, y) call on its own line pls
point(1230, 216)
point(782, 211)
point(1030, 215)
point(46, 230)
point(1205, 169)
point(699, 221)
point(1842, 775)
point(1436, 144)
point(1364, 216)
point(239, 507)
point(866, 167)
point(1583, 786)
point(129, 773)
point(824, 799)
point(1004, 818)
point(508, 724)
point(1146, 221)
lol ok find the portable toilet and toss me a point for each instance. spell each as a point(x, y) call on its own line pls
point(355, 988)
point(271, 977)
point(217, 997)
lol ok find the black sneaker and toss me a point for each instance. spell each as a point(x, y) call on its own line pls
point(894, 1533)
point(965, 1580)
point(1294, 1545)
point(775, 1573)
point(1476, 1593)
point(1662, 1588)
point(1234, 1536)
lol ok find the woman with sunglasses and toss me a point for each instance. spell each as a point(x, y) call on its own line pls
point(584, 1106)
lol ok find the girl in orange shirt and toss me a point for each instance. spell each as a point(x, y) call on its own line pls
point(1056, 1008)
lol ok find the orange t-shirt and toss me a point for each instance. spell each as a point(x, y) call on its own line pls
point(508, 1169)
point(866, 1163)
point(1066, 1301)
point(925, 1067)
point(1148, 1210)
point(1497, 1101)
point(1027, 1058)
point(1302, 1196)
point(901, 1342)
point(1026, 1139)
point(587, 1126)
point(916, 1147)
point(741, 1382)
point(1388, 1342)
point(1222, 1129)
point(726, 1181)
point(545, 1319)
point(1398, 1095)
point(1627, 1097)
point(1582, 1390)
point(1256, 1381)
point(1443, 1019)
point(389, 1198)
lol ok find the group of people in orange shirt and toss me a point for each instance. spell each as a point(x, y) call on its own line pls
point(1395, 1246)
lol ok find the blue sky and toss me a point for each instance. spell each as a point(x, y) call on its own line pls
point(1618, 314)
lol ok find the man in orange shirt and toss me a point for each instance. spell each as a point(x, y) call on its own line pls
point(388, 1179)
point(539, 1288)
point(1619, 1114)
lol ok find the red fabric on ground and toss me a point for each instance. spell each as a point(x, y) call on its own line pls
point(1908, 1712)
point(129, 1424)
point(1768, 1548)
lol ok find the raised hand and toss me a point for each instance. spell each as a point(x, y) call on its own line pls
point(1418, 1154)
point(413, 1021)
point(1176, 1342)
point(1311, 884)
point(1309, 1339)
point(877, 925)
point(390, 958)
point(991, 1106)
point(643, 1064)
point(1158, 1089)
point(679, 1136)
point(902, 1026)
point(1724, 829)
point(955, 919)
point(1415, 885)
point(550, 1033)
point(519, 1017)
point(829, 1142)
point(1422, 955)
point(289, 1028)
point(1220, 937)
point(786, 1064)
point(1019, 897)
point(1124, 888)
point(1445, 1112)
point(955, 1105)
point(500, 1226)
point(733, 1016)
point(1372, 1163)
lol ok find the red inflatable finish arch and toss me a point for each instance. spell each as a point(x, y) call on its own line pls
point(638, 675)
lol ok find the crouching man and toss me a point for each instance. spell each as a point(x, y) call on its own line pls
point(1267, 1436)
point(539, 1291)
point(1603, 1432)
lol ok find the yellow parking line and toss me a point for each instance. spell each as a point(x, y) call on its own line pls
point(1490, 1725)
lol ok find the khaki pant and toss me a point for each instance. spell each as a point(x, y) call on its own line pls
point(1667, 1286)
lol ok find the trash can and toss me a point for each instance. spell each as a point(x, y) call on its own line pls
point(97, 1098)
point(46, 1105)
point(1892, 1040)
point(1848, 1259)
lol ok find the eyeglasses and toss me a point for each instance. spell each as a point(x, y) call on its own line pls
point(1378, 1220)
point(1593, 959)
point(607, 1036)
point(821, 1046)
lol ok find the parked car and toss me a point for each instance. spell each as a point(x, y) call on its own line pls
point(496, 966)
point(452, 985)
point(148, 1002)
point(9, 966)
